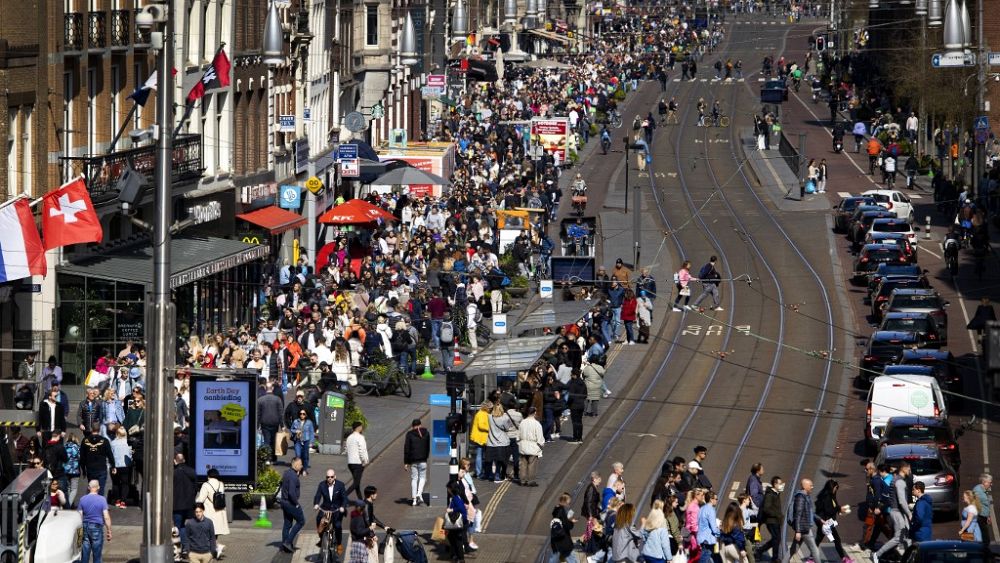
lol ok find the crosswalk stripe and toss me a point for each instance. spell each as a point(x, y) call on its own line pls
point(844, 194)
point(677, 80)
point(915, 196)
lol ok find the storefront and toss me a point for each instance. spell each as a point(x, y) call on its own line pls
point(101, 302)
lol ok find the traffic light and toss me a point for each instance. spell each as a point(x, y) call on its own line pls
point(820, 44)
point(454, 383)
point(455, 423)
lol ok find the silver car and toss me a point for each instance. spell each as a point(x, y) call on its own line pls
point(915, 300)
point(928, 467)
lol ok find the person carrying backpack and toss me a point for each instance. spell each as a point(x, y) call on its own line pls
point(561, 532)
point(402, 342)
point(709, 277)
point(447, 342)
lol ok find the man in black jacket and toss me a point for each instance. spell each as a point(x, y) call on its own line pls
point(269, 417)
point(185, 491)
point(331, 496)
point(772, 515)
point(96, 456)
point(416, 450)
point(577, 390)
point(51, 417)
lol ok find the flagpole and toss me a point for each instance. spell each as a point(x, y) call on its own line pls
point(189, 106)
point(118, 135)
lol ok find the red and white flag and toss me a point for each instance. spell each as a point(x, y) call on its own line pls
point(216, 76)
point(68, 216)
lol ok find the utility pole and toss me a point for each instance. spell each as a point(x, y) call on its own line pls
point(982, 60)
point(157, 545)
point(625, 144)
point(636, 226)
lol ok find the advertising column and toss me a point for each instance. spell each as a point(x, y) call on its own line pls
point(223, 427)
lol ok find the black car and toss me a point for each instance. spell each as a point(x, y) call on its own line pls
point(861, 225)
point(884, 289)
point(843, 212)
point(923, 430)
point(890, 269)
point(884, 348)
point(928, 332)
point(920, 301)
point(899, 239)
point(872, 255)
point(774, 91)
point(857, 214)
point(949, 551)
point(943, 362)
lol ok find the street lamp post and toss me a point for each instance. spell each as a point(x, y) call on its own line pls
point(157, 544)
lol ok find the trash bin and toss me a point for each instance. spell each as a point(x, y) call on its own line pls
point(331, 423)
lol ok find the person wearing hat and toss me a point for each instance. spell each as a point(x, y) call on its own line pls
point(293, 408)
point(416, 451)
point(621, 273)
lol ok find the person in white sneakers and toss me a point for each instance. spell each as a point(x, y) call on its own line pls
point(709, 277)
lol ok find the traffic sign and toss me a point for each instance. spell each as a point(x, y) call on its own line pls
point(952, 59)
point(350, 168)
point(347, 151)
point(290, 197)
point(982, 123)
point(994, 59)
point(314, 185)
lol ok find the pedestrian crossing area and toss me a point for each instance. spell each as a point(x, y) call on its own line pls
point(769, 22)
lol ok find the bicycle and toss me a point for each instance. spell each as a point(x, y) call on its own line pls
point(721, 121)
point(614, 120)
point(327, 542)
point(383, 379)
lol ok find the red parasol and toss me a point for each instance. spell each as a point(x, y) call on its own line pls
point(355, 212)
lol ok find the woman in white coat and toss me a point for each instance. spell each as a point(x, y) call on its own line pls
point(206, 495)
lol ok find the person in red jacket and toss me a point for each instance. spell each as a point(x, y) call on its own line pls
point(629, 306)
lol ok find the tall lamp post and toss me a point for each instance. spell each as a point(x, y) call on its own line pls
point(157, 544)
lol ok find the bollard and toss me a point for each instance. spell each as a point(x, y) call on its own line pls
point(927, 232)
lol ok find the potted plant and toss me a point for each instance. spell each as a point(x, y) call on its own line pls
point(518, 286)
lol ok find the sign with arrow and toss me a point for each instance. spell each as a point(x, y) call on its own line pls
point(952, 59)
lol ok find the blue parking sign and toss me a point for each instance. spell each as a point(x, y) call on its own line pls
point(290, 197)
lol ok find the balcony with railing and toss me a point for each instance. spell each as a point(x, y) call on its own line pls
point(141, 35)
point(102, 172)
point(73, 31)
point(121, 21)
point(97, 30)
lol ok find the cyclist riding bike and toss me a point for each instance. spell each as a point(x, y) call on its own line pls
point(796, 78)
point(672, 110)
point(579, 186)
point(860, 129)
point(874, 149)
point(578, 233)
point(950, 246)
point(661, 109)
point(838, 135)
point(701, 112)
point(605, 139)
point(716, 112)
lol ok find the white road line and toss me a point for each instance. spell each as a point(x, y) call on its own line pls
point(844, 194)
point(931, 252)
point(914, 196)
point(677, 80)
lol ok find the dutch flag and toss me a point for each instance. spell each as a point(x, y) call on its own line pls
point(21, 252)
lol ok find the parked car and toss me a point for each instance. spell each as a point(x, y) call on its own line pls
point(843, 212)
point(872, 255)
point(863, 224)
point(929, 467)
point(899, 239)
point(923, 430)
point(942, 361)
point(910, 300)
point(929, 335)
point(858, 212)
point(950, 551)
point(895, 201)
point(891, 269)
point(880, 296)
point(883, 349)
point(888, 225)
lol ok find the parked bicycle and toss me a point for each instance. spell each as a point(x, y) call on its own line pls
point(383, 379)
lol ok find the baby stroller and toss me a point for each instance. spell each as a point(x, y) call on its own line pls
point(408, 546)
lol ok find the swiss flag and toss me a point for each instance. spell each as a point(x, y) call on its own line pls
point(68, 216)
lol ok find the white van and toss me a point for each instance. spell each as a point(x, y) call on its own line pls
point(902, 394)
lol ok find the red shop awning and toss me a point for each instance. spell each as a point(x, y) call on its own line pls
point(274, 219)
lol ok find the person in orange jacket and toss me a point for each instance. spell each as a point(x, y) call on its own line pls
point(874, 148)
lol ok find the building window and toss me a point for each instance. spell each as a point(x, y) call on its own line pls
point(92, 90)
point(12, 168)
point(67, 140)
point(371, 25)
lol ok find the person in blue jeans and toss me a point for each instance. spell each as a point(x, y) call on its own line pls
point(708, 527)
point(294, 518)
point(96, 523)
point(303, 435)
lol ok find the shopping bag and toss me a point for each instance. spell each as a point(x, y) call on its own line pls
point(282, 440)
point(389, 550)
point(438, 533)
point(679, 557)
point(810, 187)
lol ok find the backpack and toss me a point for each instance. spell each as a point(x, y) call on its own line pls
point(401, 340)
point(408, 546)
point(461, 296)
point(447, 334)
point(218, 499)
point(72, 464)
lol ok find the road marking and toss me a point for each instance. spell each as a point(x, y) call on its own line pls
point(491, 506)
point(677, 80)
point(733, 489)
point(761, 79)
point(844, 194)
point(914, 196)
